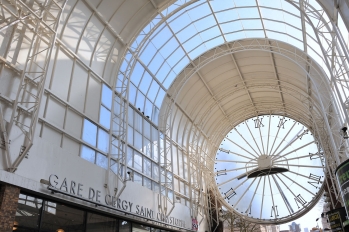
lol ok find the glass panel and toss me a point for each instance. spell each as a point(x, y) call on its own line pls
point(140, 100)
point(88, 154)
point(106, 96)
point(154, 134)
point(132, 94)
point(138, 122)
point(145, 83)
point(154, 230)
point(148, 108)
point(130, 135)
point(154, 88)
point(147, 129)
point(103, 140)
point(155, 187)
point(170, 194)
point(155, 172)
point(180, 164)
point(137, 73)
point(147, 167)
point(130, 116)
point(175, 160)
point(138, 161)
point(156, 63)
point(139, 228)
point(102, 161)
point(137, 178)
point(185, 167)
point(181, 187)
point(155, 115)
point(104, 117)
point(129, 156)
point(147, 147)
point(164, 35)
point(99, 223)
point(138, 141)
point(90, 132)
point(124, 226)
point(159, 98)
point(147, 183)
point(57, 216)
point(176, 184)
point(27, 214)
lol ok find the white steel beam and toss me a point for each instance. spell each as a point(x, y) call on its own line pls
point(44, 18)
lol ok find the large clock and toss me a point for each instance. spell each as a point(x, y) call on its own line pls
point(269, 169)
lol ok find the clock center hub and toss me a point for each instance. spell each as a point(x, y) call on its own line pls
point(264, 161)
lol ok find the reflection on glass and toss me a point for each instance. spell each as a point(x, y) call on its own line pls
point(102, 161)
point(88, 154)
point(147, 183)
point(99, 223)
point(28, 213)
point(106, 96)
point(138, 161)
point(137, 178)
point(58, 216)
point(103, 140)
point(124, 226)
point(154, 230)
point(104, 117)
point(90, 132)
point(139, 228)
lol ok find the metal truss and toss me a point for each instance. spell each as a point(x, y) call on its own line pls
point(166, 170)
point(118, 130)
point(196, 150)
point(320, 113)
point(36, 22)
point(118, 140)
point(335, 56)
point(326, 118)
point(213, 210)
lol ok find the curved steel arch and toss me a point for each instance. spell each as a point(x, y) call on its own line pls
point(261, 45)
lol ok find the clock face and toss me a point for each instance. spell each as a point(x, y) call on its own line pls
point(269, 169)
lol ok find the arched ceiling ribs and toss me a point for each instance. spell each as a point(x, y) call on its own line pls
point(272, 58)
point(198, 73)
point(243, 81)
point(105, 22)
point(292, 88)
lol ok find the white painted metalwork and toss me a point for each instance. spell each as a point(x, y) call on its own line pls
point(274, 150)
point(186, 123)
point(39, 21)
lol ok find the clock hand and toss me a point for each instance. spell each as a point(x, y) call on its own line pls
point(247, 173)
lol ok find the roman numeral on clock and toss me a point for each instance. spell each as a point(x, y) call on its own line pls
point(222, 172)
point(275, 209)
point(315, 180)
point(258, 123)
point(299, 199)
point(282, 123)
point(230, 193)
point(303, 133)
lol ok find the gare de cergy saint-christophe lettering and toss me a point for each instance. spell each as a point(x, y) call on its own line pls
point(95, 195)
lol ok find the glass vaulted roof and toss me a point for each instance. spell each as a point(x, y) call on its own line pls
point(187, 29)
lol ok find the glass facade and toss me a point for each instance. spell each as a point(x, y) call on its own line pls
point(174, 39)
point(38, 215)
point(145, 144)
